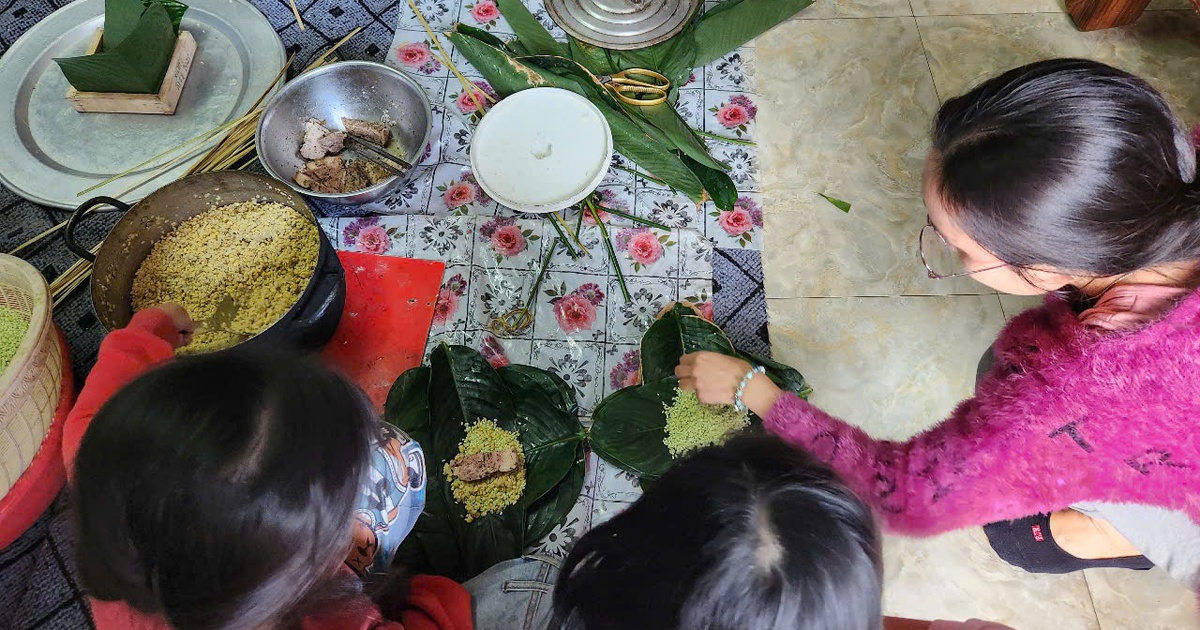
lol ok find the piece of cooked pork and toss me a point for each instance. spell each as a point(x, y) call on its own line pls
point(326, 175)
point(319, 141)
point(484, 465)
point(378, 133)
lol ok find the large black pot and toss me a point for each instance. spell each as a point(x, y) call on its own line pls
point(308, 325)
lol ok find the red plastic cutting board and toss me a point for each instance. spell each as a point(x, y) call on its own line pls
point(389, 308)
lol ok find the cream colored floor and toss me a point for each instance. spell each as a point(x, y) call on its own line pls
point(848, 90)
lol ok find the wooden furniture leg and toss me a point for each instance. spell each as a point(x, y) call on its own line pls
point(1094, 15)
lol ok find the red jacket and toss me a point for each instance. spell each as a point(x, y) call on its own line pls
point(436, 603)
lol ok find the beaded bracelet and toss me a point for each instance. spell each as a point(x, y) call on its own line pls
point(741, 389)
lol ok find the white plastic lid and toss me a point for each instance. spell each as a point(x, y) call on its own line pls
point(541, 150)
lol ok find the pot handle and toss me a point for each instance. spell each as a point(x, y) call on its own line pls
point(85, 209)
point(326, 286)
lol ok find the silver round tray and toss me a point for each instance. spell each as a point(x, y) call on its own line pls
point(622, 24)
point(49, 152)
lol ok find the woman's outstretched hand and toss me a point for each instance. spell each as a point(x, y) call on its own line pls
point(715, 377)
point(183, 322)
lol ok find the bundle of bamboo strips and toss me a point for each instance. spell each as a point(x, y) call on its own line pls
point(234, 150)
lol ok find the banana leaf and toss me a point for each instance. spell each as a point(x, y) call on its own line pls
point(509, 75)
point(599, 61)
point(550, 510)
point(513, 48)
point(680, 135)
point(533, 36)
point(678, 332)
point(433, 404)
point(721, 31)
point(136, 65)
point(629, 426)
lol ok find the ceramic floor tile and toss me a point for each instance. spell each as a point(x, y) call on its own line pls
point(958, 576)
point(1014, 305)
point(893, 366)
point(827, 9)
point(814, 250)
point(1163, 47)
point(1147, 600)
point(975, 7)
point(842, 115)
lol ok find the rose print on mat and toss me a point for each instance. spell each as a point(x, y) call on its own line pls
point(417, 56)
point(642, 246)
point(576, 311)
point(448, 298)
point(467, 105)
point(505, 237)
point(484, 12)
point(625, 372)
point(367, 235)
point(741, 221)
point(493, 352)
point(460, 194)
point(736, 113)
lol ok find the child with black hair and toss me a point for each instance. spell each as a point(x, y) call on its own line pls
point(752, 535)
point(241, 491)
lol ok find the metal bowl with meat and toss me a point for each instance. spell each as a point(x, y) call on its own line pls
point(306, 135)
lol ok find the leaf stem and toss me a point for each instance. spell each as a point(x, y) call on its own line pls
point(748, 143)
point(562, 236)
point(558, 217)
point(612, 253)
point(631, 217)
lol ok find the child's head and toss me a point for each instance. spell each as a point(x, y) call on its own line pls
point(1058, 172)
point(219, 490)
point(753, 535)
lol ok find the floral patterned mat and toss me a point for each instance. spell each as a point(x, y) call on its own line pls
point(583, 328)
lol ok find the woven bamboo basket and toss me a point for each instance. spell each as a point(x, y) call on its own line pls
point(30, 386)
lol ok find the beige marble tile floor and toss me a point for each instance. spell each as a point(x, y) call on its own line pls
point(848, 90)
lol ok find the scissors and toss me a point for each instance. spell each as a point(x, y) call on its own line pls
point(633, 90)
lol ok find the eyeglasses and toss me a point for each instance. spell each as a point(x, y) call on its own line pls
point(941, 260)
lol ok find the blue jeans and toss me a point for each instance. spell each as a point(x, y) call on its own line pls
point(514, 595)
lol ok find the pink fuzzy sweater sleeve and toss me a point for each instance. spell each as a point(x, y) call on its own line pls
point(967, 470)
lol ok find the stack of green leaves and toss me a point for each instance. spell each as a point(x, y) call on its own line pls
point(434, 403)
point(655, 137)
point(629, 427)
point(139, 40)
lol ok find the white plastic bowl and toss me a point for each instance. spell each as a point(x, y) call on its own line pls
point(541, 150)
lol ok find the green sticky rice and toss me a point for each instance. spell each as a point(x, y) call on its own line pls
point(692, 424)
point(13, 326)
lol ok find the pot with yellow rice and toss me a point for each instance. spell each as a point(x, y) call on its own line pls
point(241, 252)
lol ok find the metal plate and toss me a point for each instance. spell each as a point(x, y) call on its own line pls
point(49, 152)
point(622, 24)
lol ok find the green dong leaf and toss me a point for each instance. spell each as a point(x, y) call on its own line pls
point(676, 333)
point(549, 436)
point(718, 183)
point(551, 509)
point(532, 35)
point(628, 428)
point(722, 30)
point(135, 66)
point(844, 206)
point(407, 405)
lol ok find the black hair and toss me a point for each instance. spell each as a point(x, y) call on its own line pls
point(218, 491)
point(752, 535)
point(1070, 164)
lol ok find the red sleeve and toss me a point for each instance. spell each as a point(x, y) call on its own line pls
point(434, 603)
point(982, 464)
point(437, 603)
point(124, 355)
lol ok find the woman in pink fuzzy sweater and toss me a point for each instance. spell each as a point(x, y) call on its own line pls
point(1081, 447)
